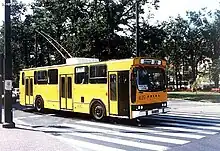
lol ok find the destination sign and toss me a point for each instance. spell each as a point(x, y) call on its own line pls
point(151, 61)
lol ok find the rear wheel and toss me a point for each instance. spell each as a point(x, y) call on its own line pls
point(39, 104)
point(98, 111)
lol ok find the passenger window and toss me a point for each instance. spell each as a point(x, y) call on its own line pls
point(69, 86)
point(98, 74)
point(42, 77)
point(81, 75)
point(23, 76)
point(113, 87)
point(62, 89)
point(53, 76)
point(31, 87)
point(26, 87)
point(35, 77)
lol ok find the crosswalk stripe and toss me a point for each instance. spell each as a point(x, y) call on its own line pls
point(74, 143)
point(86, 145)
point(188, 118)
point(186, 130)
point(20, 122)
point(152, 138)
point(24, 125)
point(191, 126)
point(33, 116)
point(121, 142)
point(193, 116)
point(183, 121)
point(195, 136)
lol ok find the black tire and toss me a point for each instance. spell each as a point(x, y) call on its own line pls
point(98, 111)
point(39, 104)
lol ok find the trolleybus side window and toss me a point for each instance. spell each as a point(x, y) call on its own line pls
point(53, 76)
point(35, 77)
point(113, 87)
point(69, 87)
point(63, 91)
point(81, 75)
point(23, 76)
point(42, 77)
point(98, 74)
point(31, 87)
point(26, 87)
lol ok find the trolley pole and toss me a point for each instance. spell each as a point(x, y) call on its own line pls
point(1, 85)
point(8, 123)
point(137, 29)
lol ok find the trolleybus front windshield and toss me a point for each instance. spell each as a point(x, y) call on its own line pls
point(150, 79)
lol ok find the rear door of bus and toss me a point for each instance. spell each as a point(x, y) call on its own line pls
point(29, 98)
point(66, 99)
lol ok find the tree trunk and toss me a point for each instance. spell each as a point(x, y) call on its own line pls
point(215, 59)
point(216, 76)
point(176, 75)
point(193, 65)
point(26, 53)
point(216, 80)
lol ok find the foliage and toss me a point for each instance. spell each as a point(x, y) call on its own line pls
point(105, 29)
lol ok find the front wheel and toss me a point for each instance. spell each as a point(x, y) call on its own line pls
point(98, 111)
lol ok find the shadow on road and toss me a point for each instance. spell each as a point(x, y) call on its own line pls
point(149, 121)
point(78, 116)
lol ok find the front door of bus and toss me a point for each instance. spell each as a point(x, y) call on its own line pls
point(113, 93)
point(66, 101)
point(29, 98)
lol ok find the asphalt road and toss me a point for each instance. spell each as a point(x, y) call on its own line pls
point(189, 126)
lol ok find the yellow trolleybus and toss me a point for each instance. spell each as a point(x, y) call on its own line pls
point(127, 88)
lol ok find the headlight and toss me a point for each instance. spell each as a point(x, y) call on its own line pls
point(140, 107)
point(164, 104)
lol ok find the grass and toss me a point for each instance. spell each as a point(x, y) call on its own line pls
point(193, 96)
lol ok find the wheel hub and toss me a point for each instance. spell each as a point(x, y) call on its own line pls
point(98, 111)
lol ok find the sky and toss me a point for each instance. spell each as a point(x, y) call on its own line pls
point(167, 7)
point(175, 7)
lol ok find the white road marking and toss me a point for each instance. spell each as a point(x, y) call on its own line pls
point(194, 114)
point(74, 143)
point(121, 142)
point(184, 121)
point(186, 129)
point(195, 136)
point(192, 126)
point(202, 117)
point(131, 135)
point(32, 116)
point(86, 145)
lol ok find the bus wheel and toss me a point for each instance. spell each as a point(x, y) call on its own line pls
point(98, 111)
point(39, 105)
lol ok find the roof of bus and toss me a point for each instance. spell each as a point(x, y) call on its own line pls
point(64, 65)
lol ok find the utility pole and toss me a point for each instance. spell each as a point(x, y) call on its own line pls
point(1, 85)
point(137, 29)
point(35, 49)
point(8, 123)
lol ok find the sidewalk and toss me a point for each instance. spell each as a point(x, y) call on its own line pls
point(18, 139)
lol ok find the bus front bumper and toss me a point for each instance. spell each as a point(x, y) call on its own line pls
point(136, 114)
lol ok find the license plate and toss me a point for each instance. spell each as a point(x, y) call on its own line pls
point(155, 111)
